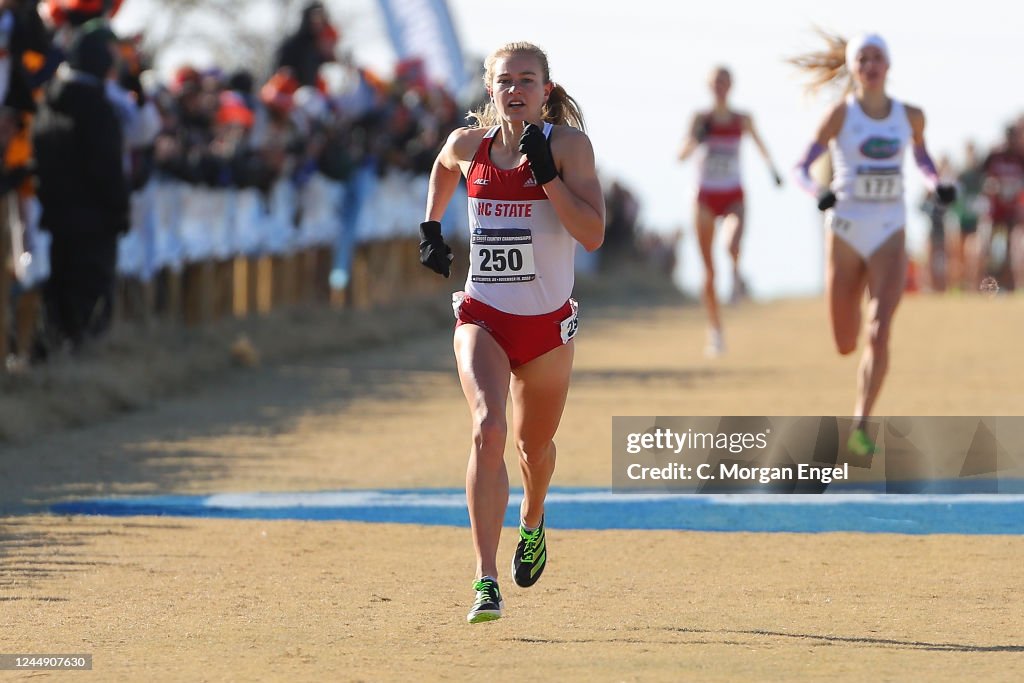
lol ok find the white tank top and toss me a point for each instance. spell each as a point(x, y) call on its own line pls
point(521, 256)
point(867, 158)
point(719, 165)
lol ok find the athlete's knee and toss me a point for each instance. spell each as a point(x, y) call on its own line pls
point(489, 433)
point(878, 334)
point(535, 452)
point(734, 244)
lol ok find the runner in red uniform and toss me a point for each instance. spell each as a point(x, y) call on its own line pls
point(533, 195)
point(718, 133)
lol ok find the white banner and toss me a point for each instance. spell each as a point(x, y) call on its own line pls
point(424, 29)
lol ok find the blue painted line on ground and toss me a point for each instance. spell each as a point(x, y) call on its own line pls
point(587, 508)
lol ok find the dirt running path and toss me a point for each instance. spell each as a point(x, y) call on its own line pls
point(192, 600)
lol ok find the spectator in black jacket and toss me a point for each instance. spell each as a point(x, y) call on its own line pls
point(310, 46)
point(82, 188)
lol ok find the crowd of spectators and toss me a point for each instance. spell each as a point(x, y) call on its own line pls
point(204, 128)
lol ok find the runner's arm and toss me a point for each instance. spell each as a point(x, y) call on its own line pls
point(445, 174)
point(921, 156)
point(698, 131)
point(576, 193)
point(748, 126)
point(828, 129)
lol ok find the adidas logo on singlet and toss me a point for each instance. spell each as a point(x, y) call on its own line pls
point(530, 182)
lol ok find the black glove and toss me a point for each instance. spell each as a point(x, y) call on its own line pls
point(537, 149)
point(826, 200)
point(946, 193)
point(434, 253)
point(703, 131)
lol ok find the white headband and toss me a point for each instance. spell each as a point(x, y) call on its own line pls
point(858, 43)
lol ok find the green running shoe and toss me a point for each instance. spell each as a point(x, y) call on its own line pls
point(531, 556)
point(860, 443)
point(488, 603)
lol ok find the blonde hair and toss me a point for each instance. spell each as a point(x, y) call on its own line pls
point(825, 67)
point(560, 109)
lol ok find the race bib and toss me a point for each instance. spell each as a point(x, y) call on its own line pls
point(721, 165)
point(571, 324)
point(501, 255)
point(878, 186)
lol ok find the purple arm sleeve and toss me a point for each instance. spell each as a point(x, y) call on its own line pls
point(927, 166)
point(802, 171)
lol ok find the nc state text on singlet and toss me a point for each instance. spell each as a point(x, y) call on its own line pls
point(505, 209)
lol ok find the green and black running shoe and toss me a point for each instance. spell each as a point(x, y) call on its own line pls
point(860, 443)
point(531, 556)
point(488, 604)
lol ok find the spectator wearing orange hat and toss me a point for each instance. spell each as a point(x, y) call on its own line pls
point(233, 110)
point(78, 12)
point(227, 150)
point(278, 92)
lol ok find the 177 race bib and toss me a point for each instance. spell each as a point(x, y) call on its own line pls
point(878, 186)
